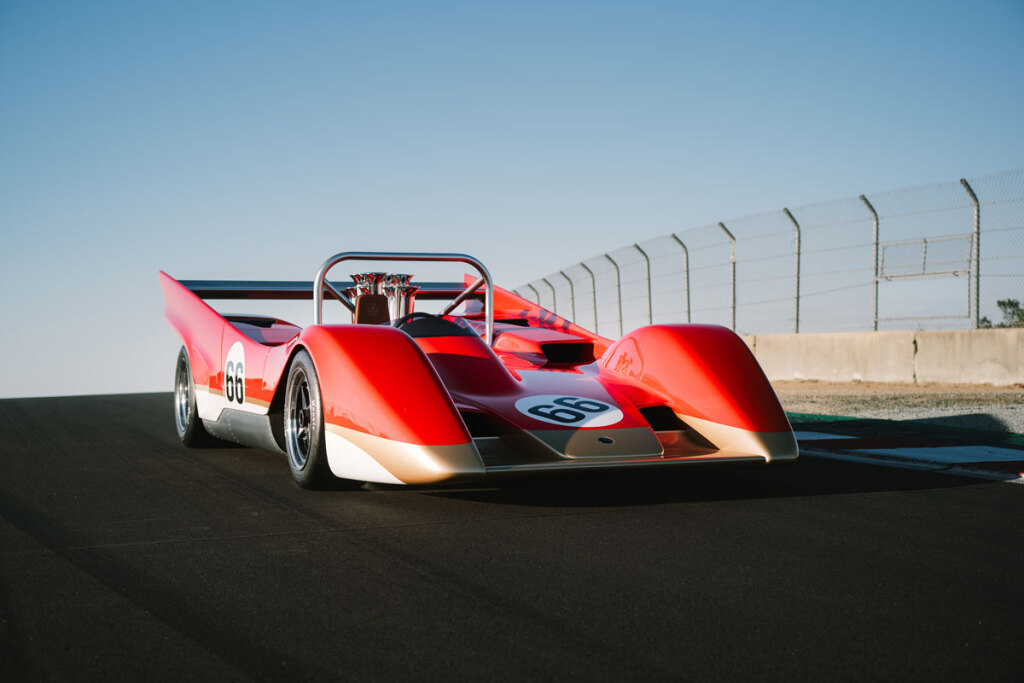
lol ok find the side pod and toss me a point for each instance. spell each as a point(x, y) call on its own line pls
point(713, 383)
point(382, 396)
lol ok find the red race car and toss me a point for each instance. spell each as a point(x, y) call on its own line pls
point(406, 397)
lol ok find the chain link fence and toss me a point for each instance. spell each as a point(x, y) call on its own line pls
point(945, 256)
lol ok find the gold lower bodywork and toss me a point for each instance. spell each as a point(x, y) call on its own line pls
point(413, 463)
point(564, 450)
point(771, 446)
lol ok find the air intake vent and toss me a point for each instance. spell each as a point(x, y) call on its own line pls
point(576, 353)
point(662, 419)
point(481, 424)
point(254, 320)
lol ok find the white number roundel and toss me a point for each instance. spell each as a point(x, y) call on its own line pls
point(569, 411)
point(234, 374)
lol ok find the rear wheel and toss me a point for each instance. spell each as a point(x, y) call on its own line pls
point(186, 417)
point(304, 427)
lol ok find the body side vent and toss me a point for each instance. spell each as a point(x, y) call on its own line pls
point(576, 353)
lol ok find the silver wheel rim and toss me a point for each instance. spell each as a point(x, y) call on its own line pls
point(182, 394)
point(299, 421)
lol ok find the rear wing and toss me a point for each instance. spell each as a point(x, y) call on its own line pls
point(344, 291)
point(298, 290)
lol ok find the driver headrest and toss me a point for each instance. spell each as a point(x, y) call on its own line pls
point(372, 309)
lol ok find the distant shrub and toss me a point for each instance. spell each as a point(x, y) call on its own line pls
point(1013, 315)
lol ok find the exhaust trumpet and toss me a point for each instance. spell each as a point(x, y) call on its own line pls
point(401, 295)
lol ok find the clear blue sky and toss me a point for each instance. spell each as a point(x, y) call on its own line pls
point(254, 139)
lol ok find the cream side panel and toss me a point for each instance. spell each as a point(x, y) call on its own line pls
point(349, 461)
point(209, 404)
point(772, 446)
point(404, 463)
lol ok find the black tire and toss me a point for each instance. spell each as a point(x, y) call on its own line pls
point(304, 439)
point(186, 418)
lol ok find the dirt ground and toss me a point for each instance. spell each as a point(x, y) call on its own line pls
point(975, 406)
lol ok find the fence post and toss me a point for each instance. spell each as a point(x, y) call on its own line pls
point(874, 265)
point(977, 252)
point(796, 297)
point(572, 294)
point(554, 295)
point(686, 272)
point(536, 294)
point(618, 289)
point(650, 304)
point(593, 292)
point(732, 260)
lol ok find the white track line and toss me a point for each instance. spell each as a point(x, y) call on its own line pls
point(892, 459)
point(819, 436)
point(953, 455)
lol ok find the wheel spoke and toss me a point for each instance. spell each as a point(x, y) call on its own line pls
point(300, 423)
point(303, 424)
point(182, 396)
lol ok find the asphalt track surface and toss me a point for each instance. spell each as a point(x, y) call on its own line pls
point(125, 556)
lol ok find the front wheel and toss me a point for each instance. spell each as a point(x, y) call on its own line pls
point(304, 427)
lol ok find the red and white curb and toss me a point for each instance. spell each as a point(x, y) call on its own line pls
point(989, 462)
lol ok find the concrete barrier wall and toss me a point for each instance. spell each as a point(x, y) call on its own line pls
point(963, 356)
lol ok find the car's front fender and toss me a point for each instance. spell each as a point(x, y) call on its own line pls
point(383, 400)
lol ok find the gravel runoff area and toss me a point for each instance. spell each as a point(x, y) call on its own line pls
point(971, 406)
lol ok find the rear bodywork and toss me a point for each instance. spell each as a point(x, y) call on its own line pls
point(544, 395)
